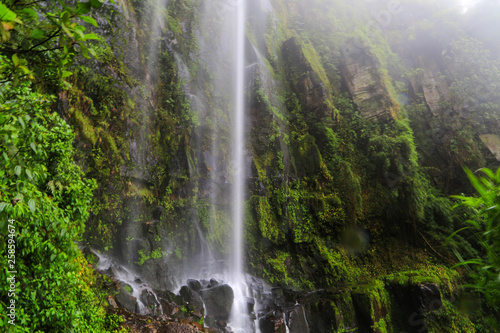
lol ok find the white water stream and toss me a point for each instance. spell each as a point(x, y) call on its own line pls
point(240, 320)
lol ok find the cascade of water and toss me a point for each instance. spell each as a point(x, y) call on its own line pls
point(124, 275)
point(240, 320)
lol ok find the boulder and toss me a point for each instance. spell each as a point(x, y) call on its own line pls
point(426, 297)
point(250, 304)
point(194, 285)
point(191, 296)
point(297, 321)
point(127, 301)
point(218, 301)
point(169, 309)
point(272, 323)
point(149, 300)
point(213, 283)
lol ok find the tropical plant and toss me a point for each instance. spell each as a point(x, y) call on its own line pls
point(486, 225)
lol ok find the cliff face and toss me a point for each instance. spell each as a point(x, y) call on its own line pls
point(337, 196)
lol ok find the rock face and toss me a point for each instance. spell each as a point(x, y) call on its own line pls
point(305, 82)
point(492, 141)
point(127, 301)
point(218, 301)
point(411, 303)
point(297, 321)
point(191, 296)
point(432, 86)
point(367, 87)
point(426, 297)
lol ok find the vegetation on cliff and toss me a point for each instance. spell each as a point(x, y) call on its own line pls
point(362, 117)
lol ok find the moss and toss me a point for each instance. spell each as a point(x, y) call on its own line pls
point(84, 125)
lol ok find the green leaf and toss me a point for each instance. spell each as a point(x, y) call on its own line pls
point(65, 17)
point(89, 20)
point(31, 205)
point(6, 14)
point(95, 3)
point(15, 60)
point(37, 34)
point(66, 74)
point(24, 69)
point(66, 30)
point(33, 146)
point(28, 173)
point(82, 8)
point(91, 36)
point(80, 34)
point(84, 51)
point(2, 206)
point(31, 12)
point(21, 121)
point(17, 170)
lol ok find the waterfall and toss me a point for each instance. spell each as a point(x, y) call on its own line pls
point(239, 146)
point(240, 320)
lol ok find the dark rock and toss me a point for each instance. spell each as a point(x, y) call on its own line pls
point(192, 297)
point(221, 323)
point(127, 301)
point(149, 300)
point(218, 301)
point(250, 304)
point(194, 285)
point(324, 316)
point(198, 312)
point(213, 283)
point(297, 321)
point(285, 297)
point(210, 321)
point(204, 283)
point(426, 297)
point(272, 323)
point(169, 309)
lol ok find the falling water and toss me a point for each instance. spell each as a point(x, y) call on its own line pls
point(240, 321)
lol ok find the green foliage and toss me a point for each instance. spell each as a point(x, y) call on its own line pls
point(486, 226)
point(40, 40)
point(53, 292)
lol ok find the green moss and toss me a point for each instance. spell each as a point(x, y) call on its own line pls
point(84, 125)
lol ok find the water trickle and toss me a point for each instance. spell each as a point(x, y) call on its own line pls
point(124, 275)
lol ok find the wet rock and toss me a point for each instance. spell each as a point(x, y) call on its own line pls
point(272, 322)
point(191, 297)
point(127, 301)
point(169, 309)
point(213, 283)
point(198, 312)
point(210, 321)
point(324, 316)
point(250, 304)
point(284, 297)
point(194, 285)
point(112, 302)
point(218, 301)
point(426, 297)
point(149, 300)
point(297, 321)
